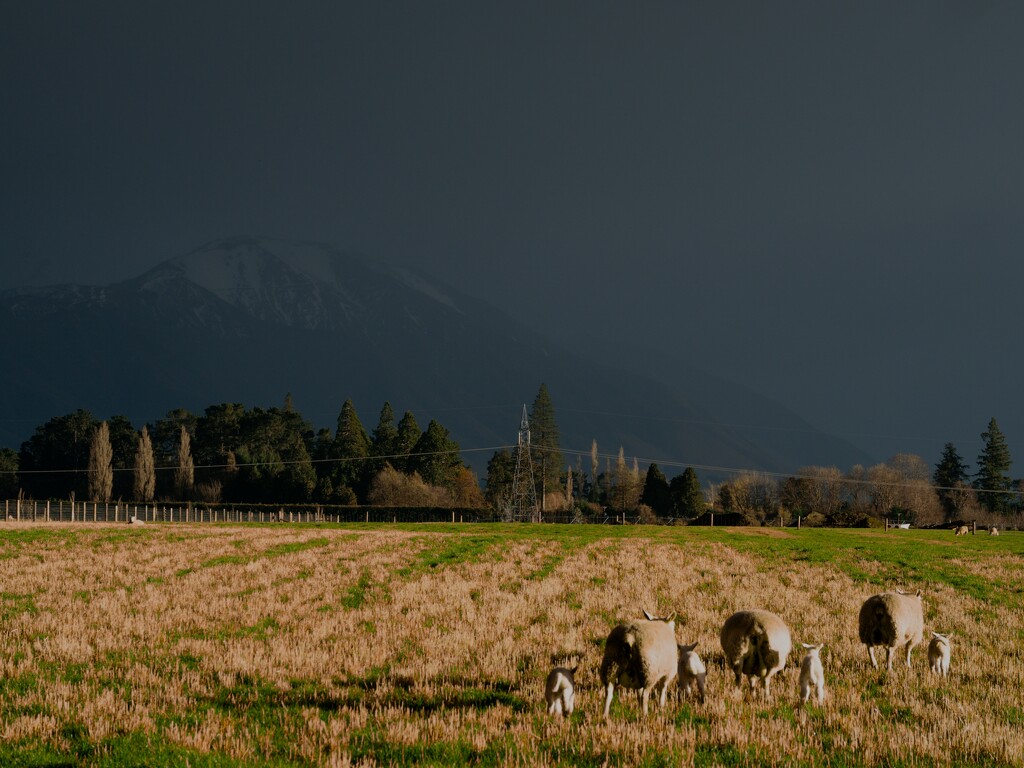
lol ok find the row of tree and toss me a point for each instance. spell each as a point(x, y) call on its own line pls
point(232, 453)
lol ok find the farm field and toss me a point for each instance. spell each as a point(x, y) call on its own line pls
point(292, 645)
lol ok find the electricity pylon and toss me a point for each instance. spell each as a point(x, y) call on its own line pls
point(524, 489)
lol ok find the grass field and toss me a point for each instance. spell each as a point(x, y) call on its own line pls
point(217, 645)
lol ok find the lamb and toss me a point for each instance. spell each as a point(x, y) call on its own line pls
point(812, 676)
point(993, 531)
point(961, 530)
point(938, 653)
point(135, 521)
point(891, 620)
point(692, 672)
point(640, 655)
point(560, 691)
point(756, 643)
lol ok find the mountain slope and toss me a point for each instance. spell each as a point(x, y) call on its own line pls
point(249, 320)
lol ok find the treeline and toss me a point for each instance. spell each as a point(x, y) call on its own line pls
point(231, 453)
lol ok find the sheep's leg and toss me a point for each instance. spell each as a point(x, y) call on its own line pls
point(871, 655)
point(767, 687)
point(700, 687)
point(609, 691)
point(821, 693)
point(646, 697)
point(909, 649)
point(888, 659)
point(664, 692)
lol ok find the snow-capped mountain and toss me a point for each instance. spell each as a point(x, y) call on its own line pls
point(249, 320)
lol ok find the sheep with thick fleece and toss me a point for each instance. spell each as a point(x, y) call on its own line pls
point(692, 672)
point(560, 691)
point(939, 651)
point(812, 675)
point(891, 620)
point(641, 654)
point(756, 644)
point(961, 530)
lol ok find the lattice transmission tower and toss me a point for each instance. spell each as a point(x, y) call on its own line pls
point(524, 488)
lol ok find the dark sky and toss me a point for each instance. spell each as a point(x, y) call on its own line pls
point(822, 201)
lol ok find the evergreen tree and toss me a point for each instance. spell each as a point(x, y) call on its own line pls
point(145, 473)
point(950, 475)
point(544, 442)
point(436, 457)
point(351, 449)
point(53, 461)
point(408, 435)
point(501, 470)
point(184, 471)
point(8, 473)
point(384, 439)
point(101, 470)
point(992, 480)
point(687, 497)
point(123, 439)
point(656, 493)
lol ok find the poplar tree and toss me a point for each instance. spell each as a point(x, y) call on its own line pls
point(101, 471)
point(144, 488)
point(184, 472)
point(993, 479)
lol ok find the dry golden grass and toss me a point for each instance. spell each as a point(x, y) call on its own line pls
point(225, 645)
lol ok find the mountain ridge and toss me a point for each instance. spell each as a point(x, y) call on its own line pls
point(250, 319)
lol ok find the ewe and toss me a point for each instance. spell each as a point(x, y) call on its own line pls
point(692, 672)
point(812, 676)
point(961, 530)
point(891, 620)
point(756, 644)
point(560, 691)
point(939, 650)
point(640, 655)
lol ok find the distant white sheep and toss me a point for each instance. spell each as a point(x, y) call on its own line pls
point(756, 644)
point(560, 691)
point(641, 655)
point(993, 531)
point(891, 620)
point(136, 521)
point(812, 675)
point(939, 651)
point(692, 673)
point(961, 530)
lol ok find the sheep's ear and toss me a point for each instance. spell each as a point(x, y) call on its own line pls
point(805, 645)
point(670, 618)
point(573, 670)
point(647, 615)
point(918, 593)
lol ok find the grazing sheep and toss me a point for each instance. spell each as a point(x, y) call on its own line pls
point(891, 620)
point(756, 644)
point(642, 655)
point(692, 672)
point(938, 653)
point(560, 691)
point(812, 676)
point(961, 530)
point(993, 531)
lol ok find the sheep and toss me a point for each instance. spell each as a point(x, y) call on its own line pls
point(961, 530)
point(812, 675)
point(756, 643)
point(938, 653)
point(892, 620)
point(560, 691)
point(642, 655)
point(692, 673)
point(135, 521)
point(993, 531)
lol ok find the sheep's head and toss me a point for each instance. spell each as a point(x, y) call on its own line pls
point(684, 649)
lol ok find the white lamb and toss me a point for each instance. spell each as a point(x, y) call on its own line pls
point(692, 673)
point(891, 620)
point(939, 650)
point(642, 655)
point(560, 691)
point(812, 675)
point(756, 644)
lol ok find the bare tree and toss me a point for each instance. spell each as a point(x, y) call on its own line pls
point(101, 471)
point(144, 488)
point(825, 489)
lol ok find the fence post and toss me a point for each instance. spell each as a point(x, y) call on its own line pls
point(17, 508)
